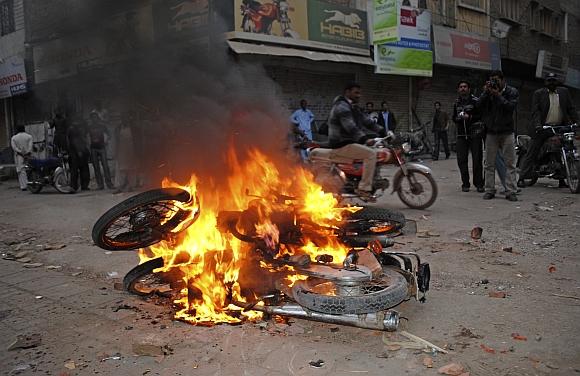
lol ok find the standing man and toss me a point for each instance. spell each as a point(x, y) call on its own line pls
point(347, 136)
point(370, 111)
point(497, 105)
point(60, 125)
point(440, 127)
point(98, 135)
point(469, 137)
point(21, 144)
point(551, 105)
point(302, 118)
point(386, 118)
point(79, 155)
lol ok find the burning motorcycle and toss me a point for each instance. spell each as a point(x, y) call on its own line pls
point(50, 171)
point(413, 182)
point(258, 17)
point(558, 158)
point(353, 280)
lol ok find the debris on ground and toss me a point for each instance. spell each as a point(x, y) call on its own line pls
point(551, 268)
point(70, 364)
point(25, 341)
point(149, 349)
point(476, 233)
point(487, 349)
point(519, 337)
point(428, 362)
point(497, 294)
point(24, 260)
point(125, 306)
point(116, 356)
point(542, 208)
point(567, 296)
point(112, 275)
point(51, 247)
point(53, 267)
point(453, 369)
point(465, 332)
point(33, 265)
point(420, 340)
point(317, 363)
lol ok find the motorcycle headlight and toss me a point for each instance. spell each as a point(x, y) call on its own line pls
point(569, 136)
point(406, 147)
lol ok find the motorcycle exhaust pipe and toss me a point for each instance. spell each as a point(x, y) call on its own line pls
point(383, 320)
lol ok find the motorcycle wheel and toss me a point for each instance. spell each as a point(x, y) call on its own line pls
point(323, 296)
point(143, 275)
point(372, 221)
point(34, 182)
point(61, 183)
point(573, 173)
point(142, 220)
point(415, 189)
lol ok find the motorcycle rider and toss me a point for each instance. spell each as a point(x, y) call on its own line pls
point(469, 136)
point(349, 134)
point(551, 105)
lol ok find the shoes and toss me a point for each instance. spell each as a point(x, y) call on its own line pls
point(511, 197)
point(488, 196)
point(447, 157)
point(464, 189)
point(521, 183)
point(480, 189)
point(365, 195)
point(562, 184)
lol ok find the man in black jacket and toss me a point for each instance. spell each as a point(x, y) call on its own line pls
point(497, 105)
point(551, 105)
point(469, 136)
point(348, 132)
point(386, 118)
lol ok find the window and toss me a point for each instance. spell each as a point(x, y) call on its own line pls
point(510, 9)
point(444, 12)
point(475, 4)
point(6, 17)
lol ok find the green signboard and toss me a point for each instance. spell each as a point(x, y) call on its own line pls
point(336, 24)
point(393, 59)
point(385, 21)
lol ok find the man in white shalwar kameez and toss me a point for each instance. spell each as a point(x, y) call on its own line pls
point(21, 143)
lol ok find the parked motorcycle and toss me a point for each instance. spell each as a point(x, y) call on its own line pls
point(418, 140)
point(558, 158)
point(258, 17)
point(50, 171)
point(359, 290)
point(413, 182)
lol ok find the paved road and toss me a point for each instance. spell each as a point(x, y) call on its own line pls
point(82, 319)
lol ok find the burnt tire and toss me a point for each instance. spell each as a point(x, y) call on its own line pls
point(372, 213)
point(134, 239)
point(139, 272)
point(393, 294)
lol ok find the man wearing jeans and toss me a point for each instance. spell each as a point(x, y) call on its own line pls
point(497, 105)
point(348, 134)
point(97, 135)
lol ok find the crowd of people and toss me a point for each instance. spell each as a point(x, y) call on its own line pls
point(483, 123)
point(85, 142)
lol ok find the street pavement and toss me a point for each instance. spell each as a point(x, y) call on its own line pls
point(529, 251)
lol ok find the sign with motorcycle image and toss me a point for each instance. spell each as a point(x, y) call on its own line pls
point(303, 23)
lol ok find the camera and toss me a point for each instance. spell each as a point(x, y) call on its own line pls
point(493, 84)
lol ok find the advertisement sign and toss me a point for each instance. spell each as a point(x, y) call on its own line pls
point(302, 23)
point(181, 19)
point(465, 50)
point(385, 21)
point(411, 55)
point(12, 77)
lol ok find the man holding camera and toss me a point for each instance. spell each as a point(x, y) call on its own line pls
point(497, 105)
point(551, 105)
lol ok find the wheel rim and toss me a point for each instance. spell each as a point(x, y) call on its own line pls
point(416, 189)
point(572, 172)
point(144, 225)
point(61, 182)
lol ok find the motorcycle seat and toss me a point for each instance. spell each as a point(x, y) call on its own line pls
point(44, 163)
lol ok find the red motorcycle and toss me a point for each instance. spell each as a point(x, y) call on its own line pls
point(258, 17)
point(413, 182)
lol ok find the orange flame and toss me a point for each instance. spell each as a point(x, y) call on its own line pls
point(209, 260)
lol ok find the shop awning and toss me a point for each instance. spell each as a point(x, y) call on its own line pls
point(261, 49)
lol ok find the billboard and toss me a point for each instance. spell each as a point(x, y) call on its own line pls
point(465, 50)
point(412, 54)
point(385, 21)
point(302, 23)
point(12, 77)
